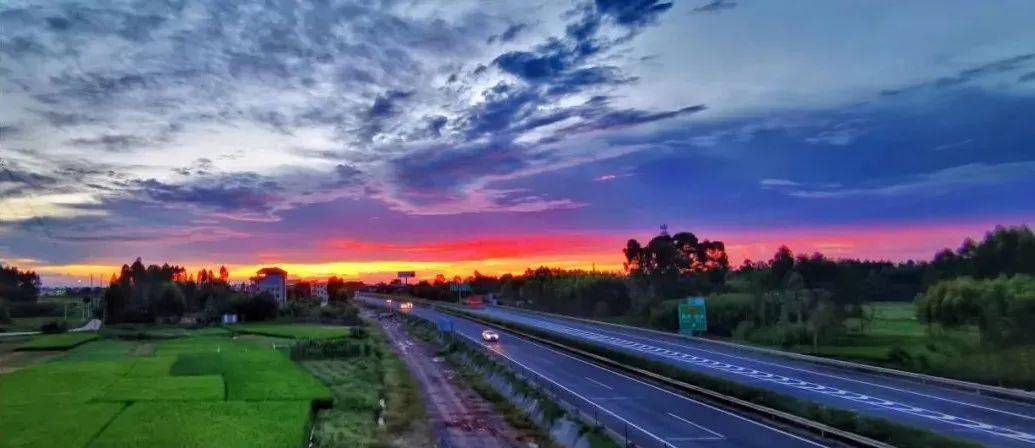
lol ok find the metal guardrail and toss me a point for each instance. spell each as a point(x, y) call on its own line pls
point(981, 389)
point(801, 423)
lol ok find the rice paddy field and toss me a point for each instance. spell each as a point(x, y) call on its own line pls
point(194, 391)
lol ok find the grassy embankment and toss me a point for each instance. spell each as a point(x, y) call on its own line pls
point(363, 372)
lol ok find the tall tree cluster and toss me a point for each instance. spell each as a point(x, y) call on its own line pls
point(140, 293)
point(17, 285)
point(671, 266)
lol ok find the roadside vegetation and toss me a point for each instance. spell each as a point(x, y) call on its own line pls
point(291, 331)
point(375, 400)
point(966, 313)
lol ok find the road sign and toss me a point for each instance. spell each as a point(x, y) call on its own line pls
point(460, 287)
point(693, 316)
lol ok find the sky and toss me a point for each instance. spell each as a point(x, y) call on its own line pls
point(359, 138)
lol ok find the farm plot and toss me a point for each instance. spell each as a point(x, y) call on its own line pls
point(206, 391)
point(228, 424)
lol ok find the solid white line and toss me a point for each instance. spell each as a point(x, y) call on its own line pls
point(654, 436)
point(702, 428)
point(693, 439)
point(732, 414)
point(598, 383)
point(686, 346)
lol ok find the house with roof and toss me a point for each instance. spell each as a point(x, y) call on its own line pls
point(272, 280)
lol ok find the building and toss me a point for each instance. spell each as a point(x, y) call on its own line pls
point(318, 290)
point(273, 281)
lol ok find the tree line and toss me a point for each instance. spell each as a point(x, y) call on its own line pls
point(786, 300)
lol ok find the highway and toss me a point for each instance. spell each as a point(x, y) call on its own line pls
point(651, 416)
point(987, 420)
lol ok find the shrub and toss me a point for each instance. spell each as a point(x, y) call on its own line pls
point(258, 307)
point(5, 316)
point(333, 348)
point(31, 309)
point(53, 327)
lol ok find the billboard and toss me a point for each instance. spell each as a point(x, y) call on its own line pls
point(693, 316)
point(406, 274)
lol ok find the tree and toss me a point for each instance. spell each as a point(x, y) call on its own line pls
point(171, 302)
point(17, 285)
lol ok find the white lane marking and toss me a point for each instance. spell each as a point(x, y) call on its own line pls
point(792, 382)
point(715, 435)
point(598, 383)
point(598, 406)
point(691, 400)
point(617, 374)
point(649, 385)
point(693, 439)
point(829, 375)
point(610, 398)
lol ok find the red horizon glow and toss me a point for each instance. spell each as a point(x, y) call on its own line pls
point(375, 260)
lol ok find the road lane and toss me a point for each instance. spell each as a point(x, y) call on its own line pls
point(651, 415)
point(988, 420)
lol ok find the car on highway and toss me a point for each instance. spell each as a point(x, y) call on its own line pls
point(388, 302)
point(490, 336)
point(406, 306)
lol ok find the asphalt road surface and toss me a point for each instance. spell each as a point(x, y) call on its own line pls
point(651, 416)
point(987, 420)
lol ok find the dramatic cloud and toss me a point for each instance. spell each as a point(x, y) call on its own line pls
point(276, 125)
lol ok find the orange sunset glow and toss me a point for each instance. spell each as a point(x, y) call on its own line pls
point(498, 255)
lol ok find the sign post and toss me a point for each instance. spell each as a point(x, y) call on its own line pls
point(460, 288)
point(406, 276)
point(693, 316)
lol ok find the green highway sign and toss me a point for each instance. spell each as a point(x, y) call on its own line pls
point(693, 316)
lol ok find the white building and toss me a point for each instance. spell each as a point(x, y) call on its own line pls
point(318, 290)
point(273, 281)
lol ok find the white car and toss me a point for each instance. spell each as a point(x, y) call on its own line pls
point(490, 336)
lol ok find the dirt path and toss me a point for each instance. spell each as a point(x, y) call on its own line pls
point(462, 416)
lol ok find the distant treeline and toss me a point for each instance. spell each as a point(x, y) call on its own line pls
point(788, 299)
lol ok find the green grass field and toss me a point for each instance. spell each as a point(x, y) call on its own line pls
point(228, 424)
point(60, 341)
point(292, 331)
point(201, 391)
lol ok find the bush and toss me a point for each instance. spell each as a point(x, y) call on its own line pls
point(727, 311)
point(30, 309)
point(259, 307)
point(342, 313)
point(5, 317)
point(53, 327)
point(333, 348)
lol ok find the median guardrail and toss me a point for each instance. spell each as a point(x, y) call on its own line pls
point(819, 429)
point(981, 389)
